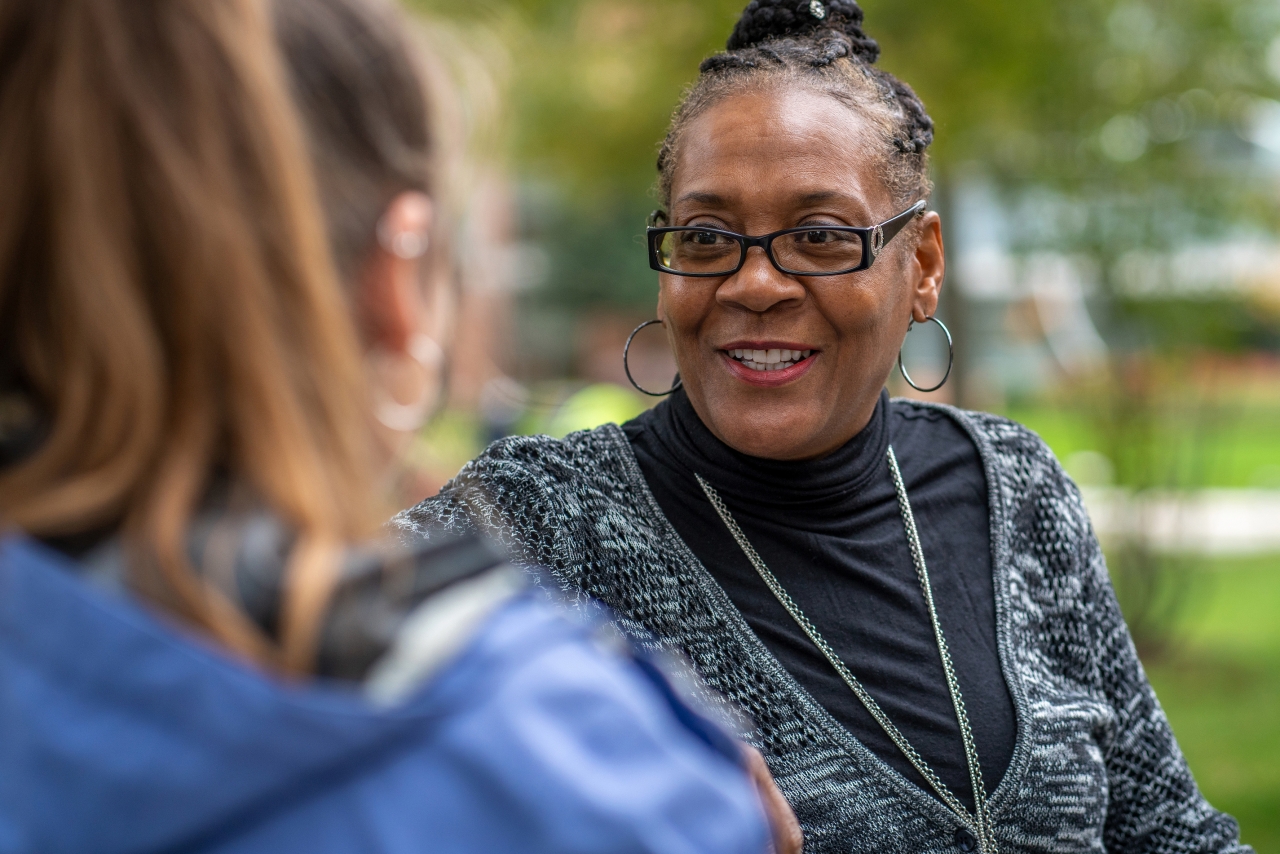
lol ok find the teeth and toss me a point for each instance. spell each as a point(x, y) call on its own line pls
point(770, 360)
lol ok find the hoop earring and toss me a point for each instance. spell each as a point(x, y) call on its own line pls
point(405, 245)
point(951, 358)
point(626, 365)
point(410, 417)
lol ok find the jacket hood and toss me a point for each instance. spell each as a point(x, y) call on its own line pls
point(123, 734)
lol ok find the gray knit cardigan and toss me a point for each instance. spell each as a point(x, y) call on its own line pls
point(1096, 766)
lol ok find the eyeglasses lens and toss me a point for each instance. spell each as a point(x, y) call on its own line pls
point(700, 252)
point(819, 251)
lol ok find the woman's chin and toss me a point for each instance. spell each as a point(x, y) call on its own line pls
point(771, 445)
point(779, 432)
point(775, 415)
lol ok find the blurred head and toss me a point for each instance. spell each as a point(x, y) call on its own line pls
point(793, 127)
point(169, 303)
point(364, 97)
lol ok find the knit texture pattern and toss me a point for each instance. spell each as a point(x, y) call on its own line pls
point(1096, 766)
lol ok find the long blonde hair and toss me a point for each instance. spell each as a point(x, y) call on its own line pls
point(167, 297)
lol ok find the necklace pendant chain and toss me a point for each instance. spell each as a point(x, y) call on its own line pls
point(980, 820)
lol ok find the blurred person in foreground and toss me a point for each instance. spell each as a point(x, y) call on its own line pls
point(907, 599)
point(203, 643)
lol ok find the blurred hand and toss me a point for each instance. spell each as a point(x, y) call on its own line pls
point(787, 836)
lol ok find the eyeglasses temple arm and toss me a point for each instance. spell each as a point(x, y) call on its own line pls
point(895, 225)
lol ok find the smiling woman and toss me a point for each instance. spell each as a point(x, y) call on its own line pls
point(906, 599)
point(778, 160)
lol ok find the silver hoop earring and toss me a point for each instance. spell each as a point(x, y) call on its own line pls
point(951, 358)
point(405, 245)
point(410, 417)
point(626, 365)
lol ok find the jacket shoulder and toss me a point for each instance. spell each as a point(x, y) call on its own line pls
point(546, 458)
point(522, 490)
point(1012, 453)
point(1036, 505)
point(991, 432)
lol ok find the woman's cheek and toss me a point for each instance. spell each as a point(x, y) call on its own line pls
point(685, 310)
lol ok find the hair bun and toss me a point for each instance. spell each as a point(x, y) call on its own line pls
point(770, 19)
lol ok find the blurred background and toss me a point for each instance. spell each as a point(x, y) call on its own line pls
point(1109, 176)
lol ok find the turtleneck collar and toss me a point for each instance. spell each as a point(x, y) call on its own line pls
point(821, 487)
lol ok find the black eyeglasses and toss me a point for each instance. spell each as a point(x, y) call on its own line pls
point(811, 250)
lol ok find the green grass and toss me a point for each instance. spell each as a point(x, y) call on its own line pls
point(1221, 689)
point(1234, 447)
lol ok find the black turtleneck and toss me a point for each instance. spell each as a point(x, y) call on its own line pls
point(832, 533)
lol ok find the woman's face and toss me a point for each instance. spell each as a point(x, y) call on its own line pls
point(403, 314)
point(763, 162)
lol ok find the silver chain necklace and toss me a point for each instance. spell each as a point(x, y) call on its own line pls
point(981, 821)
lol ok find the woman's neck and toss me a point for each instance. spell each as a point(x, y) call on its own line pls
point(817, 485)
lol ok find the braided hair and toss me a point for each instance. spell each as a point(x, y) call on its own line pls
point(819, 44)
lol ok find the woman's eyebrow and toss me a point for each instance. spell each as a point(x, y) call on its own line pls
point(702, 199)
point(808, 199)
point(820, 196)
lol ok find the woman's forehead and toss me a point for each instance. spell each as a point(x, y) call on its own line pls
point(742, 198)
point(791, 146)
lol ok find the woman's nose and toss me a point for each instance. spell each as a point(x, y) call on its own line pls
point(759, 286)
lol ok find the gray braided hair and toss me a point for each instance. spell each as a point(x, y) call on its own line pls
point(819, 44)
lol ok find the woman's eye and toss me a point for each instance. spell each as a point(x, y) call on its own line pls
point(821, 236)
point(702, 238)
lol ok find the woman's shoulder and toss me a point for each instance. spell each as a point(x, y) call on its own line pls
point(543, 465)
point(545, 456)
point(1001, 440)
point(1018, 464)
point(524, 484)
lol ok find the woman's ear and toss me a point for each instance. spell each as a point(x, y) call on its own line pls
point(929, 267)
point(393, 306)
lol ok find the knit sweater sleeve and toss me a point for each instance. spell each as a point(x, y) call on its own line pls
point(507, 495)
point(1153, 803)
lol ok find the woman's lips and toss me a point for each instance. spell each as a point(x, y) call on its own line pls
point(781, 365)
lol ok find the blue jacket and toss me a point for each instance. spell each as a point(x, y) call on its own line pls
point(120, 734)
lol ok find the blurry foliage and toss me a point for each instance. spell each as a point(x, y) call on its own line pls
point(595, 250)
point(594, 81)
point(1168, 326)
point(592, 84)
point(1110, 124)
point(1033, 89)
point(1093, 96)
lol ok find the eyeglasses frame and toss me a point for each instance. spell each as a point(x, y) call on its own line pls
point(874, 239)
